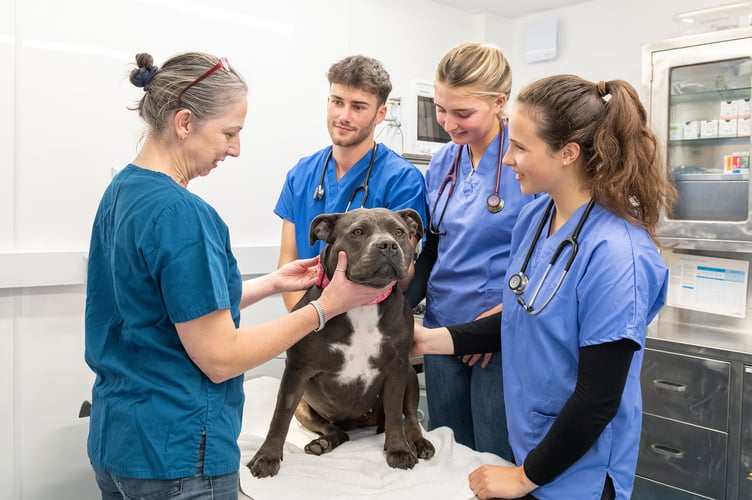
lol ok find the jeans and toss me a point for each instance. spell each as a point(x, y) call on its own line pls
point(470, 401)
point(198, 487)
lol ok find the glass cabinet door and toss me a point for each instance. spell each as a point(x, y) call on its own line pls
point(708, 146)
point(700, 107)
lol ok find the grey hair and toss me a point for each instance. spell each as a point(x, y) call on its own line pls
point(207, 98)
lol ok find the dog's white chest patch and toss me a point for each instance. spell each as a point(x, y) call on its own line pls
point(365, 344)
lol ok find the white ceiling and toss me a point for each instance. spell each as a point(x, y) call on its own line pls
point(506, 8)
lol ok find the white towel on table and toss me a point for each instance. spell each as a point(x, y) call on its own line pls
point(356, 469)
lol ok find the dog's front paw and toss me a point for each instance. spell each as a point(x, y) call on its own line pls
point(423, 448)
point(262, 465)
point(401, 459)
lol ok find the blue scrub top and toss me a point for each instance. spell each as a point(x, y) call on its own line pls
point(395, 183)
point(615, 287)
point(158, 255)
point(467, 277)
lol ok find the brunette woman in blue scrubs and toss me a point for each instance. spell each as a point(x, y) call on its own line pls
point(573, 328)
point(473, 203)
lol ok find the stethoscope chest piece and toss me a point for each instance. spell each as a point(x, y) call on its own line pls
point(318, 194)
point(518, 282)
point(494, 203)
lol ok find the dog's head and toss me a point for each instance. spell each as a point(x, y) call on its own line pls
point(376, 241)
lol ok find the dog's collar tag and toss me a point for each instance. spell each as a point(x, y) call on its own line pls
point(322, 281)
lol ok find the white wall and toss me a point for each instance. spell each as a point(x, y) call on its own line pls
point(64, 126)
point(603, 39)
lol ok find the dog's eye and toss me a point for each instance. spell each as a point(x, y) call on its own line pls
point(399, 232)
point(357, 232)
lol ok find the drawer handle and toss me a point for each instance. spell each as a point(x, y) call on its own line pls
point(667, 451)
point(668, 385)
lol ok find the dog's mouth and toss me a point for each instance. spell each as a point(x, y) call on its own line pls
point(378, 276)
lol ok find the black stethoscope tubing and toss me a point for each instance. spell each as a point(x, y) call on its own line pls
point(318, 193)
point(518, 281)
point(494, 202)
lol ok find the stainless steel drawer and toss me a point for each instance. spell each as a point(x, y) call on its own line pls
point(686, 388)
point(745, 471)
point(645, 489)
point(684, 456)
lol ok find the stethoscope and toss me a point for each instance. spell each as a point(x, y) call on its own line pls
point(494, 202)
point(518, 282)
point(318, 193)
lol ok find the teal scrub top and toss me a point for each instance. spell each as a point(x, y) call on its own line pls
point(615, 287)
point(394, 183)
point(159, 255)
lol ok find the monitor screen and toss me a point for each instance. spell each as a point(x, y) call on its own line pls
point(428, 128)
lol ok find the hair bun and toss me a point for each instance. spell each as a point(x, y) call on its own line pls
point(142, 77)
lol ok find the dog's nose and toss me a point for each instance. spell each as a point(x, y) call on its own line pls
point(388, 247)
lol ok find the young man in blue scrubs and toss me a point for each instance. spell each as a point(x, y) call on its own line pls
point(354, 171)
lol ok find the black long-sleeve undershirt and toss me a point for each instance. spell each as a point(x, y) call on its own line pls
point(416, 291)
point(601, 376)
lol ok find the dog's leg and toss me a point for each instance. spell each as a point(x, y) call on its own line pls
point(399, 453)
point(267, 459)
point(422, 446)
point(331, 435)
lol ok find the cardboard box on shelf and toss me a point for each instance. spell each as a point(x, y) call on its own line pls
point(744, 127)
point(729, 109)
point(708, 129)
point(691, 130)
point(744, 108)
point(727, 128)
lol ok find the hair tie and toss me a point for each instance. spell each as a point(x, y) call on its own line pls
point(602, 89)
point(144, 76)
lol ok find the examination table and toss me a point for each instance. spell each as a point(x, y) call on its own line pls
point(356, 469)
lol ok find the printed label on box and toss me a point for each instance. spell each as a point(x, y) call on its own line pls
point(732, 164)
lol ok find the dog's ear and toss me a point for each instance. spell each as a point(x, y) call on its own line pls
point(322, 227)
point(413, 221)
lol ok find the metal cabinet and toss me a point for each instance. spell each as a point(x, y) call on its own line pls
point(699, 91)
point(745, 472)
point(696, 440)
point(684, 442)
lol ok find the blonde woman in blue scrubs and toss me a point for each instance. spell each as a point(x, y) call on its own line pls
point(573, 329)
point(473, 203)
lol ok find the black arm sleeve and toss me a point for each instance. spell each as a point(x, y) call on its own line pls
point(416, 290)
point(477, 337)
point(601, 376)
